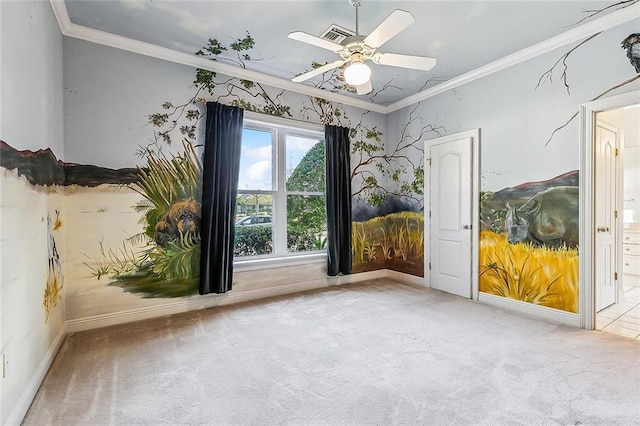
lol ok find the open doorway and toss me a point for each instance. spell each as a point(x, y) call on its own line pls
point(616, 142)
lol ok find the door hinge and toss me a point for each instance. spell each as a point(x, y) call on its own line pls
point(615, 276)
point(429, 161)
point(429, 213)
point(429, 265)
point(615, 214)
point(617, 152)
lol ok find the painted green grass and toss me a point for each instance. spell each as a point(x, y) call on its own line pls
point(156, 271)
point(395, 240)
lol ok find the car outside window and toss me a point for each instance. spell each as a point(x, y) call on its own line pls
point(281, 203)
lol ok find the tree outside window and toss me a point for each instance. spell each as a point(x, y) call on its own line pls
point(280, 205)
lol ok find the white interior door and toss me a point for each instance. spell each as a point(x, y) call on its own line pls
point(450, 223)
point(606, 144)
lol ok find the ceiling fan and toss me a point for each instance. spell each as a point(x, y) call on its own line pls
point(357, 49)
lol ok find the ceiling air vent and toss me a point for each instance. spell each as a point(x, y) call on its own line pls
point(336, 34)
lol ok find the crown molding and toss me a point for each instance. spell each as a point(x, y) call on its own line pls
point(577, 33)
point(570, 36)
point(70, 29)
point(61, 14)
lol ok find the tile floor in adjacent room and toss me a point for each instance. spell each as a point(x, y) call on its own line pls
point(622, 318)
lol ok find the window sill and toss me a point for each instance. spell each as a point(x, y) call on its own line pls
point(276, 262)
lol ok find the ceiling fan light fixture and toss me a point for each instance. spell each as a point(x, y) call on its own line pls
point(357, 73)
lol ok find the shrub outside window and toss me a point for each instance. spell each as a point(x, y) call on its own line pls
point(280, 204)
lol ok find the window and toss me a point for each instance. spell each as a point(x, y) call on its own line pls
point(280, 205)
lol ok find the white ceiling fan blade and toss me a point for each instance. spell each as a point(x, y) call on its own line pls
point(423, 63)
point(396, 22)
point(316, 41)
point(318, 71)
point(363, 89)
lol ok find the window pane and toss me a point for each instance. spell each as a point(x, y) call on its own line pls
point(306, 223)
point(254, 233)
point(305, 164)
point(256, 160)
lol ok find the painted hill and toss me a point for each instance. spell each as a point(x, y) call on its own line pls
point(494, 206)
point(529, 189)
point(42, 167)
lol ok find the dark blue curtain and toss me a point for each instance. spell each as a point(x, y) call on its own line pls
point(338, 195)
point(221, 166)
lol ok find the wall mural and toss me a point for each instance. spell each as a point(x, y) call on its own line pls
point(528, 230)
point(529, 242)
point(42, 171)
point(168, 265)
point(631, 46)
point(162, 260)
point(529, 234)
point(388, 228)
point(55, 277)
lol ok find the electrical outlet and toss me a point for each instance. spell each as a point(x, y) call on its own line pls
point(5, 364)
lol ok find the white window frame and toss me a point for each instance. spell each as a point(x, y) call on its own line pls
point(280, 128)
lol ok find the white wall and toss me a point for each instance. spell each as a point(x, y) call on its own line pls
point(31, 118)
point(627, 120)
point(631, 155)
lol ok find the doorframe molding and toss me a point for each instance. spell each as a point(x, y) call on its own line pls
point(586, 295)
point(475, 204)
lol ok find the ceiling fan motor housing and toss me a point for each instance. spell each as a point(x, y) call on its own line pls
point(355, 45)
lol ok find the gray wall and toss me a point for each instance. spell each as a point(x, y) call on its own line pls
point(517, 120)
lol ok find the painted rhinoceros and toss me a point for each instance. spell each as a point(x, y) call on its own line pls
point(549, 218)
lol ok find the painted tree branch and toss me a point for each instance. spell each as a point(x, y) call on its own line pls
point(402, 166)
point(239, 90)
point(619, 5)
point(617, 86)
point(388, 85)
point(273, 105)
point(435, 79)
point(548, 75)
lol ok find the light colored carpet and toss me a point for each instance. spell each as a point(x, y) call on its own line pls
point(373, 353)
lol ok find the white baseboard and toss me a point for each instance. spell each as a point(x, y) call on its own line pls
point(555, 315)
point(29, 393)
point(202, 302)
point(408, 279)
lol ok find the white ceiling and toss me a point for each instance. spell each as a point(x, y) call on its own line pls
point(462, 35)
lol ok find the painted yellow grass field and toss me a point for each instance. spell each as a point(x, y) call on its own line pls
point(546, 277)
